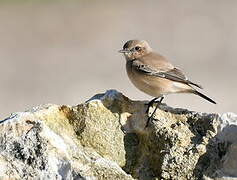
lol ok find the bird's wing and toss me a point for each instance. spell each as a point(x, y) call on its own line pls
point(173, 74)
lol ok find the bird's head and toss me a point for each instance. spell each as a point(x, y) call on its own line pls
point(133, 49)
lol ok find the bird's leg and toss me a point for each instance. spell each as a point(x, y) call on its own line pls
point(150, 104)
point(161, 99)
point(153, 100)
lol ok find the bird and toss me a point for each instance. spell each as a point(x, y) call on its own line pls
point(154, 75)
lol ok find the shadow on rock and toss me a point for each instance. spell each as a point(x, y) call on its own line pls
point(221, 155)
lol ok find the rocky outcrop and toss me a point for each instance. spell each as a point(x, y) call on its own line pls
point(106, 138)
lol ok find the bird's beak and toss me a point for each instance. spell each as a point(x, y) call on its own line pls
point(123, 51)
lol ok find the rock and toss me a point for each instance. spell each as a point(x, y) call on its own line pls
point(106, 138)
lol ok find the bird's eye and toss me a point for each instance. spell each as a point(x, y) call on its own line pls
point(138, 48)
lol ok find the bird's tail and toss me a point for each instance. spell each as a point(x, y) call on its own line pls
point(204, 96)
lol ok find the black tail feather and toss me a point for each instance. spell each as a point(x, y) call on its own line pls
point(204, 96)
point(197, 85)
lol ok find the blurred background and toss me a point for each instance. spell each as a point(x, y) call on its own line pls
point(64, 52)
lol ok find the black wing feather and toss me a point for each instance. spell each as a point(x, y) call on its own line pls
point(173, 74)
